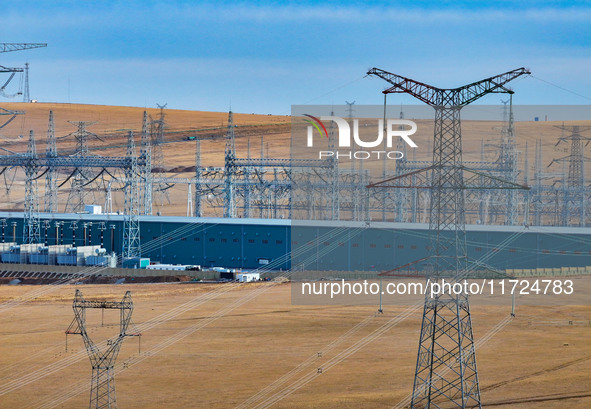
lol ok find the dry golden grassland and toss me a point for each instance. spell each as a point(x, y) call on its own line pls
point(538, 360)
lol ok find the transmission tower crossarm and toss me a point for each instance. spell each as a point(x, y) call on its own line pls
point(434, 96)
point(471, 92)
point(7, 47)
point(419, 90)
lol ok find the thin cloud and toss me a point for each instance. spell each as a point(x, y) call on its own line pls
point(364, 14)
point(113, 16)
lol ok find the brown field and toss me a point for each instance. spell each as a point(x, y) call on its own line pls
point(179, 154)
point(538, 360)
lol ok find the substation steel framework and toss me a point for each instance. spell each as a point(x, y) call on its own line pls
point(245, 176)
point(32, 164)
point(102, 388)
point(446, 374)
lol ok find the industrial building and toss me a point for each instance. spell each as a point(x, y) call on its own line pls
point(251, 243)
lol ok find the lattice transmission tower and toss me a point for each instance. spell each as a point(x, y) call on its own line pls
point(102, 388)
point(146, 168)
point(131, 220)
point(51, 199)
point(32, 224)
point(81, 177)
point(574, 206)
point(160, 189)
point(197, 202)
point(508, 161)
point(446, 374)
point(230, 169)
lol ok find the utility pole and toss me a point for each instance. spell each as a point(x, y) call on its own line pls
point(26, 96)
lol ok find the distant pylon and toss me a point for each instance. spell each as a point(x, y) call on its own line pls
point(102, 388)
point(32, 224)
point(247, 189)
point(507, 163)
point(537, 191)
point(131, 217)
point(51, 175)
point(198, 172)
point(229, 169)
point(574, 206)
point(526, 194)
point(400, 194)
point(146, 168)
point(335, 205)
point(158, 127)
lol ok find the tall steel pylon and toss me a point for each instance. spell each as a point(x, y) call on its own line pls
point(131, 221)
point(446, 374)
point(32, 223)
point(198, 173)
point(400, 194)
point(230, 169)
point(158, 127)
point(507, 163)
point(102, 389)
point(525, 181)
point(354, 194)
point(247, 190)
point(51, 201)
point(146, 168)
point(335, 206)
point(574, 206)
point(538, 188)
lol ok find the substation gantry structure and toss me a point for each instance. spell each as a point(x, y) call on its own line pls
point(102, 357)
point(35, 166)
point(268, 187)
point(483, 206)
point(268, 183)
point(446, 374)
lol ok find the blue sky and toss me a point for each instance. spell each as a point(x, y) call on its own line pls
point(263, 57)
